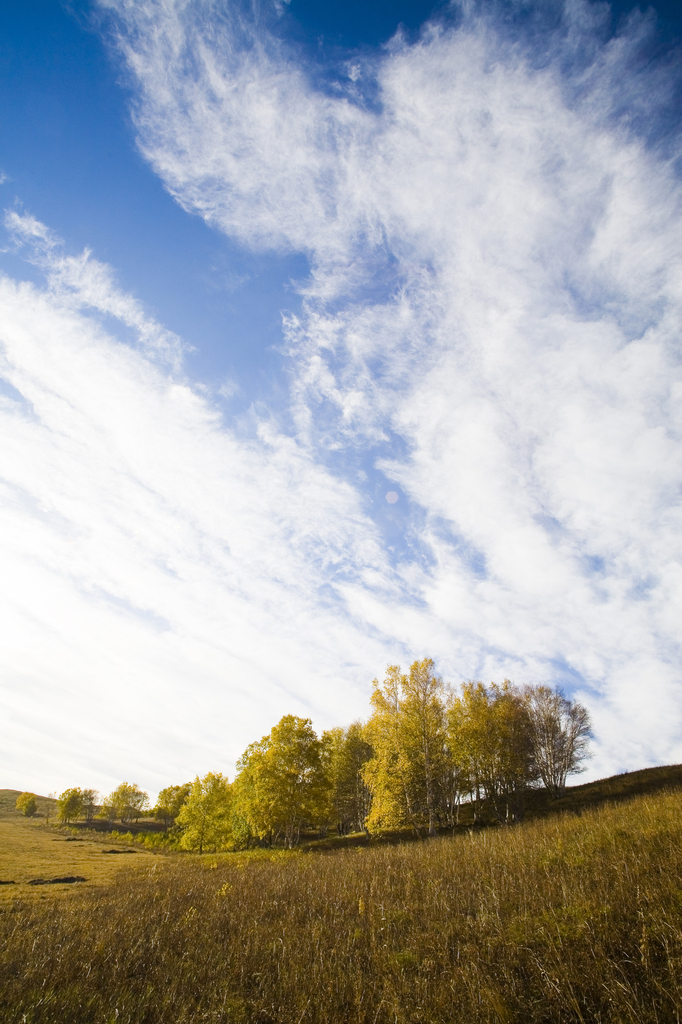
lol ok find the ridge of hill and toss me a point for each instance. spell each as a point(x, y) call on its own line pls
point(539, 804)
point(613, 788)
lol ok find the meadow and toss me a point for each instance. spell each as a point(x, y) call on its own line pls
point(571, 917)
point(31, 852)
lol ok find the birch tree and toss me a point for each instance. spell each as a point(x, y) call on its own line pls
point(281, 783)
point(205, 815)
point(489, 734)
point(422, 709)
point(406, 730)
point(388, 771)
point(560, 731)
point(347, 751)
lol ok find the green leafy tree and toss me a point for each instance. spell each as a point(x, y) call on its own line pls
point(170, 801)
point(205, 816)
point(127, 803)
point(282, 783)
point(70, 805)
point(26, 803)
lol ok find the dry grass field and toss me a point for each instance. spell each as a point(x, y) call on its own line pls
point(570, 918)
point(30, 850)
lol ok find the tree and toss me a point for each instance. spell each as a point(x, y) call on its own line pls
point(205, 815)
point(516, 768)
point(469, 729)
point(423, 713)
point(388, 772)
point(281, 783)
point(489, 735)
point(406, 730)
point(26, 803)
point(90, 797)
point(127, 803)
point(560, 730)
point(346, 751)
point(70, 805)
point(251, 812)
point(170, 801)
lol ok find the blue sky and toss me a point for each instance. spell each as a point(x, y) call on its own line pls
point(334, 335)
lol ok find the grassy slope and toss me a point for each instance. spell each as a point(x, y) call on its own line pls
point(610, 790)
point(29, 849)
point(565, 919)
point(539, 805)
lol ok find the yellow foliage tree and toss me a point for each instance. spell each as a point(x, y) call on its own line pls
point(346, 752)
point(205, 816)
point(407, 733)
point(169, 802)
point(490, 740)
point(70, 805)
point(423, 711)
point(281, 783)
point(26, 803)
point(127, 803)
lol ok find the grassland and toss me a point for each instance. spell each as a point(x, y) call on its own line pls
point(29, 851)
point(568, 918)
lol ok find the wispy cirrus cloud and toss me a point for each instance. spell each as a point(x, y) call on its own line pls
point(491, 215)
point(83, 282)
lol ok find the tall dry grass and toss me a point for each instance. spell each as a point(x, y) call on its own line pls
point(570, 919)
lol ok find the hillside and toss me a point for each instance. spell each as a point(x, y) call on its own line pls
point(567, 918)
point(576, 799)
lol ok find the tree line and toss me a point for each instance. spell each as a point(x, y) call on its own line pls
point(425, 750)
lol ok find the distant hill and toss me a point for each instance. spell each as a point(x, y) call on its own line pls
point(8, 797)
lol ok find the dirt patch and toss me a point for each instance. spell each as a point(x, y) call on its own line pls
point(57, 881)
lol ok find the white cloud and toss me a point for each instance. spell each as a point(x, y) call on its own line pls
point(496, 282)
point(170, 591)
point(82, 282)
point(493, 317)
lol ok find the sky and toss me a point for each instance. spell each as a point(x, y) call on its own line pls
point(333, 336)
